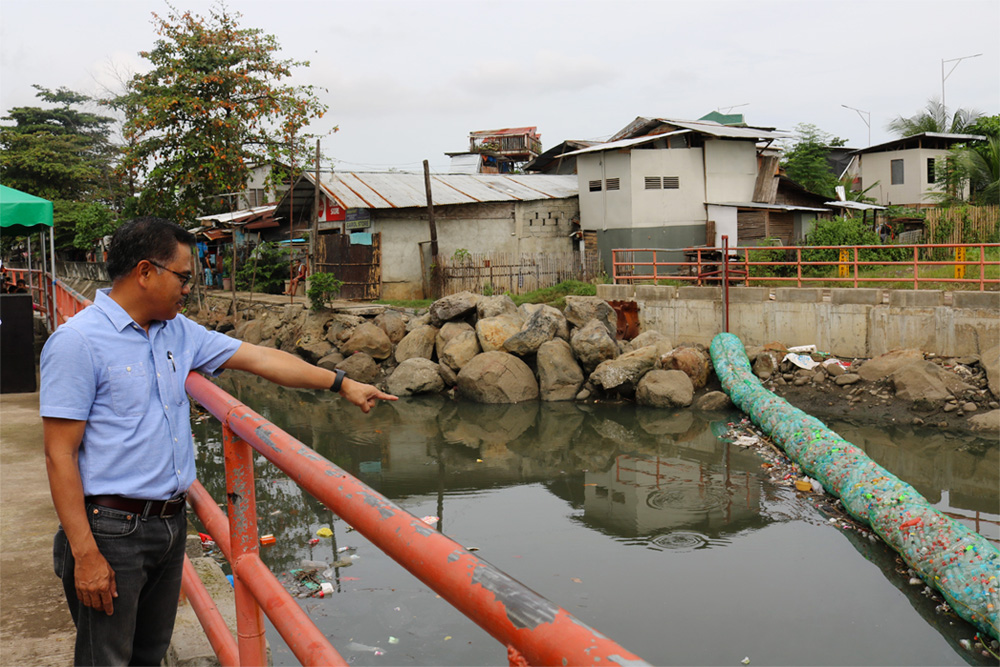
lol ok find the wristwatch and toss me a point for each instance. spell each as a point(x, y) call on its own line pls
point(339, 380)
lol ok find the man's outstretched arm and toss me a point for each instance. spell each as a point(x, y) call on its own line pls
point(291, 371)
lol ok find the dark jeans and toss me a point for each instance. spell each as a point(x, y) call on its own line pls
point(147, 557)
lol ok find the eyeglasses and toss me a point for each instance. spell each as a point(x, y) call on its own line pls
point(184, 277)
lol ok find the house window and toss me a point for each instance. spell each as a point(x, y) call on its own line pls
point(671, 182)
point(897, 172)
point(595, 186)
point(613, 184)
point(652, 182)
point(930, 170)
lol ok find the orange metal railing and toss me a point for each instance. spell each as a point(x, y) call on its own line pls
point(533, 629)
point(44, 294)
point(701, 265)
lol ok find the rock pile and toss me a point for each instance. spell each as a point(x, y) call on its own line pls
point(489, 350)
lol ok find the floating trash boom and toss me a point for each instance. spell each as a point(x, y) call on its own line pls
point(957, 561)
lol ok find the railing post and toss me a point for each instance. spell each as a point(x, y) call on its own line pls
point(725, 283)
point(798, 267)
point(982, 268)
point(916, 267)
point(242, 507)
point(856, 253)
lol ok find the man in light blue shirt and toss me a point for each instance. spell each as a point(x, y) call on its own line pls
point(118, 444)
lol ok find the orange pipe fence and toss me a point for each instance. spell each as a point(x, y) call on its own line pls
point(533, 629)
point(705, 264)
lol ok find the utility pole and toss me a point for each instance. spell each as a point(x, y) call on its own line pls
point(944, 77)
point(435, 269)
point(314, 232)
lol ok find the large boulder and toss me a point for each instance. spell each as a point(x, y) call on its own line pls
point(582, 309)
point(651, 337)
point(592, 344)
point(460, 350)
point(447, 332)
point(543, 325)
point(497, 377)
point(713, 401)
point(493, 332)
point(886, 364)
point(417, 343)
point(312, 350)
point(416, 375)
point(370, 339)
point(330, 361)
point(340, 328)
point(622, 375)
point(393, 324)
point(494, 306)
point(987, 423)
point(559, 376)
point(926, 383)
point(360, 367)
point(453, 307)
point(665, 389)
point(694, 361)
point(528, 309)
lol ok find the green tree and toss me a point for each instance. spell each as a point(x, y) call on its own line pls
point(934, 118)
point(63, 153)
point(212, 103)
point(805, 162)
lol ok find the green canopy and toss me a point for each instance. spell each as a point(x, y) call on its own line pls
point(22, 214)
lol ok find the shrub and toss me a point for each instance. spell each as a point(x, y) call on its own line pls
point(265, 270)
point(323, 287)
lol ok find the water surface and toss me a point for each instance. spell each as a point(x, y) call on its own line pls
point(643, 523)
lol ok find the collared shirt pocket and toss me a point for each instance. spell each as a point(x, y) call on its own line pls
point(129, 389)
point(179, 368)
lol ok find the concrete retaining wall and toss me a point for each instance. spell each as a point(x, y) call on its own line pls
point(851, 323)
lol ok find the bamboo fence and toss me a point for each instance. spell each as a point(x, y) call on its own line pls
point(968, 224)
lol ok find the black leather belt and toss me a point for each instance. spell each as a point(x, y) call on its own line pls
point(163, 509)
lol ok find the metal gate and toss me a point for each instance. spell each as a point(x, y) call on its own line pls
point(358, 266)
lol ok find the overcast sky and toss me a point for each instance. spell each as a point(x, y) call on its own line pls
point(407, 81)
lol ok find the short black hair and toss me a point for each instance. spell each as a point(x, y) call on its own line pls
point(144, 238)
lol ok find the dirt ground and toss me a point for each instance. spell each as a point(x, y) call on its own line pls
point(35, 625)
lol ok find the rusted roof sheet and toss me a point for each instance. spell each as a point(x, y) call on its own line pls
point(396, 190)
point(241, 216)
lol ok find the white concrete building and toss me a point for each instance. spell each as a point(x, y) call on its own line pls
point(903, 171)
point(658, 182)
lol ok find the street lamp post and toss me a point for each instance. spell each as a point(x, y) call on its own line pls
point(944, 76)
point(867, 121)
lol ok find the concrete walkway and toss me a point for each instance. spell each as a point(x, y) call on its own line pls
point(35, 625)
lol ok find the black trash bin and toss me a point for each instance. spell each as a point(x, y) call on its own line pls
point(17, 351)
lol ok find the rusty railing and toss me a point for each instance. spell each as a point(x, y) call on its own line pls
point(534, 630)
point(704, 265)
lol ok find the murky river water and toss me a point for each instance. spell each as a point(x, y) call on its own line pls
point(642, 523)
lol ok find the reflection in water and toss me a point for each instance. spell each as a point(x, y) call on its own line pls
point(654, 479)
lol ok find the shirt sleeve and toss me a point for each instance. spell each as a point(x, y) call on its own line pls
point(69, 380)
point(212, 349)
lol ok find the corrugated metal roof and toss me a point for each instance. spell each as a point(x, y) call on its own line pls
point(702, 127)
point(397, 190)
point(953, 138)
point(239, 216)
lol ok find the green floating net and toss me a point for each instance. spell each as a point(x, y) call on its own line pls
point(957, 561)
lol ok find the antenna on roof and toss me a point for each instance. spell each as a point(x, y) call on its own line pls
point(728, 109)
